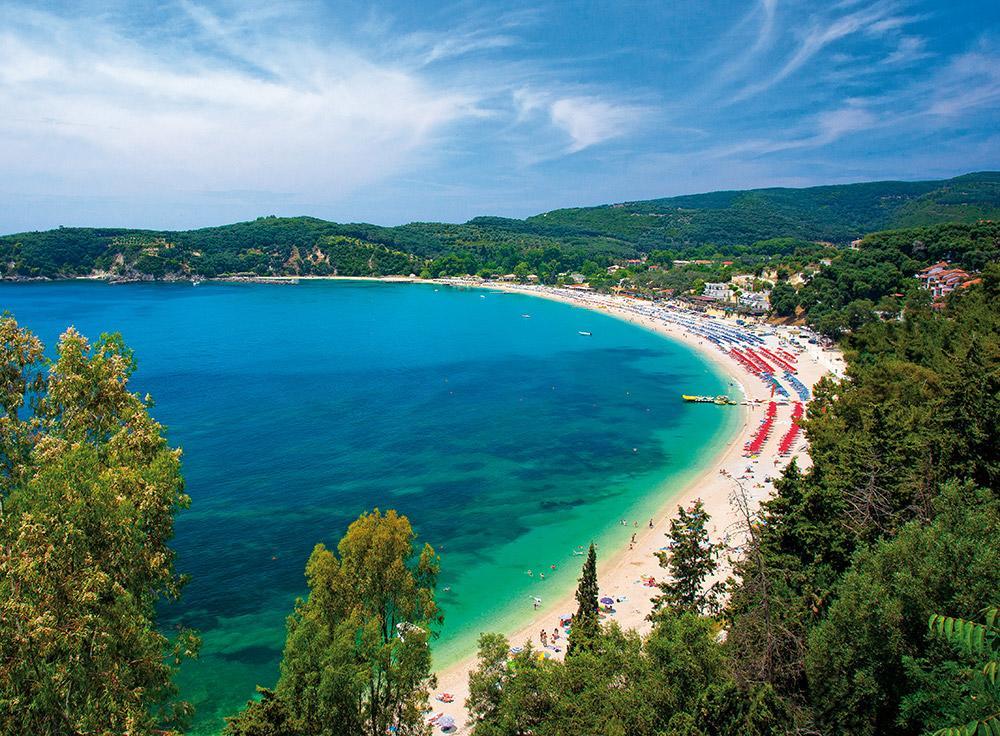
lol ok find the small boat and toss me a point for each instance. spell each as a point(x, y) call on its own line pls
point(585, 334)
point(526, 316)
point(721, 399)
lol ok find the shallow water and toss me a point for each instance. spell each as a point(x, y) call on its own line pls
point(508, 441)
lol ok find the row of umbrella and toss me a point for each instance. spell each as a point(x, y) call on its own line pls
point(753, 446)
point(789, 439)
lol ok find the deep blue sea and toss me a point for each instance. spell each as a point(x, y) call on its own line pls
point(507, 440)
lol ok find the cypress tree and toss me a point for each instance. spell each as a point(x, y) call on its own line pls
point(585, 622)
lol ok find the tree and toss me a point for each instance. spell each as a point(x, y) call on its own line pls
point(90, 490)
point(357, 655)
point(856, 658)
point(585, 622)
point(522, 270)
point(510, 695)
point(486, 682)
point(268, 716)
point(784, 299)
point(685, 658)
point(691, 559)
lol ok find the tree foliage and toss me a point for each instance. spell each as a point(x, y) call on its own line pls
point(89, 489)
point(673, 682)
point(585, 622)
point(357, 655)
point(690, 559)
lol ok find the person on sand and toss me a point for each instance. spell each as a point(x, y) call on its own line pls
point(633, 538)
point(544, 636)
point(650, 523)
point(555, 635)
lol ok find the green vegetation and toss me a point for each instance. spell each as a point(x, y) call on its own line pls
point(979, 691)
point(357, 656)
point(834, 214)
point(88, 493)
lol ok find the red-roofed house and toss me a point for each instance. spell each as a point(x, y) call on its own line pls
point(942, 278)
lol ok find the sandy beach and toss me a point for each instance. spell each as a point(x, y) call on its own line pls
point(621, 572)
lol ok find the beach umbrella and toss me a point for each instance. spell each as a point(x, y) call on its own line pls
point(607, 601)
point(446, 723)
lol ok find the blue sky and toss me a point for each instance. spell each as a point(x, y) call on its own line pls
point(197, 112)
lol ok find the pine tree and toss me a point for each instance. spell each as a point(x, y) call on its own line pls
point(690, 559)
point(585, 622)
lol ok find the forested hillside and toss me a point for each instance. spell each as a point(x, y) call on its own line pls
point(719, 223)
point(877, 277)
point(836, 214)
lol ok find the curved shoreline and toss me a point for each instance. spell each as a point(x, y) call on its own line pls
point(619, 566)
point(617, 572)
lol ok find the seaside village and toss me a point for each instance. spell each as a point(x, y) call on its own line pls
point(772, 367)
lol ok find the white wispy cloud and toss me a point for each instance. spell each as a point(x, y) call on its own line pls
point(583, 120)
point(969, 82)
point(589, 121)
point(823, 129)
point(822, 32)
point(909, 50)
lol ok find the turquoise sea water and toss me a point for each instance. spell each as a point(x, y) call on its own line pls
point(508, 441)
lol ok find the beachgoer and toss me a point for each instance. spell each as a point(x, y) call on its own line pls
point(633, 538)
point(544, 636)
point(650, 523)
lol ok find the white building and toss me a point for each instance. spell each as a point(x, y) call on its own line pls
point(756, 301)
point(719, 291)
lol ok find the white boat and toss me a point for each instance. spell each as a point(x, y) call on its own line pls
point(585, 334)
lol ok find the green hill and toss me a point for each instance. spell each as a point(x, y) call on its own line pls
point(727, 222)
point(836, 214)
